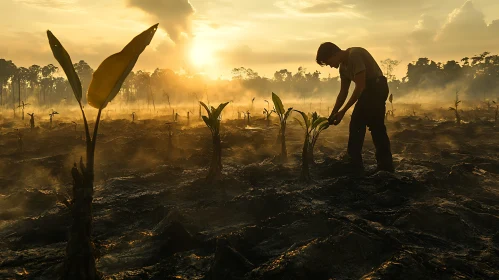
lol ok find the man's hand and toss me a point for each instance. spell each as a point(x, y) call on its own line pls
point(336, 118)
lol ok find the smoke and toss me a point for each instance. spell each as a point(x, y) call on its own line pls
point(174, 16)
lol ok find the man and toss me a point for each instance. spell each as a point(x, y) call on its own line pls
point(369, 96)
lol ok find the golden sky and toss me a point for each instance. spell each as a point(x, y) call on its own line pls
point(214, 36)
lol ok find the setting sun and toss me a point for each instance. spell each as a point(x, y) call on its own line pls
point(201, 54)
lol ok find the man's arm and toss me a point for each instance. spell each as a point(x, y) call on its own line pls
point(342, 96)
point(360, 85)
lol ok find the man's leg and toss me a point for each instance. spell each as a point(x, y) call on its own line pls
point(380, 138)
point(356, 137)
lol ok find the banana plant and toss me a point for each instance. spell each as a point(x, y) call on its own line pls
point(283, 117)
point(267, 114)
point(106, 82)
point(313, 127)
point(213, 123)
point(455, 108)
point(32, 120)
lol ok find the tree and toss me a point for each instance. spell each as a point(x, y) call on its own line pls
point(33, 79)
point(7, 71)
point(22, 76)
point(85, 73)
point(47, 82)
point(389, 65)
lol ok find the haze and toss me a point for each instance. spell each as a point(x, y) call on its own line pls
point(212, 37)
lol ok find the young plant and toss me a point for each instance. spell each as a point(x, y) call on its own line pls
point(32, 120)
point(283, 117)
point(248, 117)
point(392, 111)
point(133, 117)
point(313, 127)
point(213, 123)
point(51, 116)
point(267, 114)
point(22, 105)
point(169, 147)
point(455, 108)
point(107, 80)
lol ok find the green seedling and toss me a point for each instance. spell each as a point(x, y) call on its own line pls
point(267, 114)
point(455, 108)
point(313, 127)
point(107, 80)
point(169, 147)
point(52, 116)
point(22, 105)
point(283, 117)
point(213, 123)
point(248, 118)
point(32, 120)
point(392, 111)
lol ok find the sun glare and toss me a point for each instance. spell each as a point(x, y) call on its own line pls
point(201, 54)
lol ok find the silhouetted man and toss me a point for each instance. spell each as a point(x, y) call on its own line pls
point(371, 91)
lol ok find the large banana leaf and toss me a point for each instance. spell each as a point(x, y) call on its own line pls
point(206, 108)
point(207, 121)
point(300, 123)
point(322, 126)
point(288, 113)
point(62, 56)
point(219, 110)
point(108, 78)
point(318, 121)
point(305, 119)
point(278, 104)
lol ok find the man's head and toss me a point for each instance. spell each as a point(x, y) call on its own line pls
point(329, 54)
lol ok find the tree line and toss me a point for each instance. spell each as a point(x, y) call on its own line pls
point(476, 76)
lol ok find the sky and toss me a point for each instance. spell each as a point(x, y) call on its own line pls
point(211, 37)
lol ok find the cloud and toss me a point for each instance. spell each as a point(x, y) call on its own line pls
point(324, 7)
point(375, 9)
point(174, 16)
point(49, 3)
point(463, 33)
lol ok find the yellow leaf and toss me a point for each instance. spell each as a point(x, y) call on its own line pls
point(108, 78)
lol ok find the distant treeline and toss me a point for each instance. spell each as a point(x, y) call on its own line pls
point(476, 76)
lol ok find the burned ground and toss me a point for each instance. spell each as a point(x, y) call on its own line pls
point(156, 218)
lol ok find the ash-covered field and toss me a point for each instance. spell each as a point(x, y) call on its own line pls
point(155, 217)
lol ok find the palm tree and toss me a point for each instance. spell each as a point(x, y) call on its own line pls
point(7, 71)
point(47, 82)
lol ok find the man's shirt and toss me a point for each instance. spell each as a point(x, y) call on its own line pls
point(359, 59)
